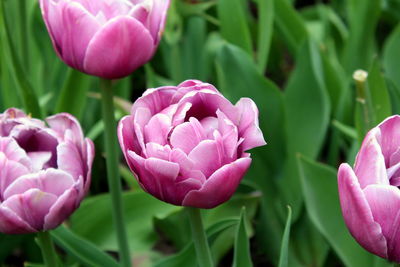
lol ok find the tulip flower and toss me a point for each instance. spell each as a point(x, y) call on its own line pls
point(105, 38)
point(187, 144)
point(44, 171)
point(369, 193)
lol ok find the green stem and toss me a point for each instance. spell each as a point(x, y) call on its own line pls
point(360, 78)
point(48, 252)
point(203, 253)
point(113, 176)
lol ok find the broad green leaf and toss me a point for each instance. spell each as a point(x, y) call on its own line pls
point(235, 31)
point(238, 77)
point(308, 112)
point(26, 91)
point(345, 129)
point(93, 220)
point(194, 59)
point(290, 24)
point(363, 17)
point(241, 255)
point(283, 260)
point(380, 100)
point(265, 32)
point(82, 250)
point(319, 185)
point(73, 94)
point(391, 55)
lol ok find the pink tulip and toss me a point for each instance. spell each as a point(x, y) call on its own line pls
point(44, 171)
point(105, 38)
point(369, 194)
point(186, 144)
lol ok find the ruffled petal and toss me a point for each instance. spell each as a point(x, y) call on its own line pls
point(248, 124)
point(207, 156)
point(31, 206)
point(51, 181)
point(219, 187)
point(11, 223)
point(187, 135)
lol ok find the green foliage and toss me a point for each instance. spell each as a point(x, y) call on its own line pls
point(294, 58)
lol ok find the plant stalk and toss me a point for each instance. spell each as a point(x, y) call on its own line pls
point(203, 253)
point(113, 176)
point(48, 252)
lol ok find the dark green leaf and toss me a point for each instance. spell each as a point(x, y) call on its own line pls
point(283, 260)
point(82, 250)
point(241, 255)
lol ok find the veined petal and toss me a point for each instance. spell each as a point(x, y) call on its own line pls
point(113, 51)
point(11, 223)
point(219, 187)
point(357, 213)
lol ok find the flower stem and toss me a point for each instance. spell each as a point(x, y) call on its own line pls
point(113, 176)
point(48, 252)
point(203, 253)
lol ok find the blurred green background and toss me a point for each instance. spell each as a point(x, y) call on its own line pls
point(295, 59)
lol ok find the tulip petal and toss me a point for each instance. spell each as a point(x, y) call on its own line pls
point(89, 162)
point(357, 213)
point(207, 156)
point(62, 122)
point(9, 172)
point(384, 202)
point(51, 181)
point(113, 51)
point(32, 206)
point(157, 18)
point(157, 129)
point(187, 135)
point(155, 100)
point(370, 165)
point(14, 152)
point(72, 27)
point(62, 208)
point(389, 137)
point(11, 223)
point(248, 124)
point(219, 187)
point(69, 159)
point(154, 150)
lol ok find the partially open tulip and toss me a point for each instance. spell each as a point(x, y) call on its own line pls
point(105, 38)
point(44, 171)
point(369, 193)
point(187, 144)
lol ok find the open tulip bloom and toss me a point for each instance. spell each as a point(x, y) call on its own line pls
point(44, 171)
point(187, 144)
point(105, 38)
point(369, 194)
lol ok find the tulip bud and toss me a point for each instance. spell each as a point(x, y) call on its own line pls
point(187, 144)
point(369, 193)
point(105, 38)
point(44, 171)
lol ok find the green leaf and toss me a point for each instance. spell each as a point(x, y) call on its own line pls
point(187, 255)
point(391, 55)
point(238, 77)
point(82, 250)
point(283, 260)
point(241, 254)
point(235, 31)
point(26, 91)
point(290, 24)
point(265, 32)
point(322, 203)
point(363, 17)
point(93, 220)
point(73, 94)
point(379, 95)
point(308, 113)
